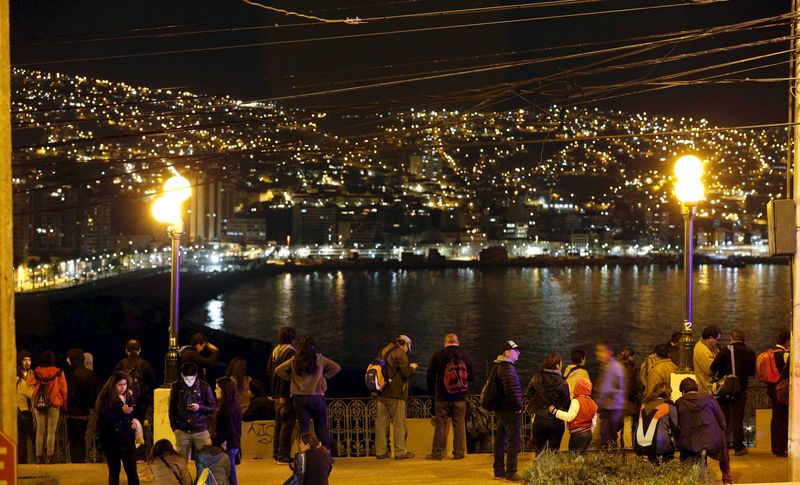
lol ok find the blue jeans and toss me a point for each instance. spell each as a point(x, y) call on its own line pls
point(232, 452)
point(310, 408)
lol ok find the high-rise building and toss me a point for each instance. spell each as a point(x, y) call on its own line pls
point(313, 224)
point(212, 203)
point(425, 166)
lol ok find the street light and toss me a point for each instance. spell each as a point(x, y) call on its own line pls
point(167, 210)
point(689, 190)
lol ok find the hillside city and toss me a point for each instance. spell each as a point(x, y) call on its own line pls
point(90, 155)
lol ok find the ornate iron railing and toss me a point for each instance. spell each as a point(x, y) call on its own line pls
point(351, 422)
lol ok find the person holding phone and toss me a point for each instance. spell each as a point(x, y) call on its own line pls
point(117, 428)
point(191, 402)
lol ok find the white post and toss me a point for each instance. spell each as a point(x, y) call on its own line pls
point(794, 376)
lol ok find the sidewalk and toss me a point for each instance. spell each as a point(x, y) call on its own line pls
point(474, 469)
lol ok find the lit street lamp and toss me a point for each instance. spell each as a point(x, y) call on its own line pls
point(167, 210)
point(689, 190)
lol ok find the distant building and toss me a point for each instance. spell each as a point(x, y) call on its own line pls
point(95, 228)
point(211, 204)
point(247, 230)
point(424, 166)
point(314, 224)
point(494, 254)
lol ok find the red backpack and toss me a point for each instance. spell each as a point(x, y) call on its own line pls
point(456, 376)
point(767, 367)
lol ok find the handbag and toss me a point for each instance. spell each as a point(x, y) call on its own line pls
point(729, 386)
point(782, 392)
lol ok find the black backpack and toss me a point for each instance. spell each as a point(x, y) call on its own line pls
point(490, 394)
point(135, 379)
point(41, 400)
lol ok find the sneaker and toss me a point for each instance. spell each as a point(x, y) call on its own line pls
point(458, 457)
point(384, 456)
point(284, 460)
point(514, 477)
point(433, 457)
point(740, 452)
point(499, 476)
point(407, 456)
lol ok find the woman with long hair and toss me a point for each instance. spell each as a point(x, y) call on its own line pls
point(167, 466)
point(229, 421)
point(548, 390)
point(308, 372)
point(48, 378)
point(237, 370)
point(116, 427)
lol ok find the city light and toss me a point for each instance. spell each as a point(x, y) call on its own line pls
point(689, 188)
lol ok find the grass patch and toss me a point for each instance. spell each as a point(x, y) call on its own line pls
point(598, 468)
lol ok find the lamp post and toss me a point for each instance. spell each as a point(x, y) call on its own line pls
point(167, 210)
point(689, 191)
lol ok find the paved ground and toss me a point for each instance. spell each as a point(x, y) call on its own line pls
point(474, 470)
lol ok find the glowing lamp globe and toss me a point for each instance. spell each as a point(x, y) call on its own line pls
point(167, 211)
point(177, 188)
point(689, 188)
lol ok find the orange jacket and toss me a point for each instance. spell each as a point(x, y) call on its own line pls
point(56, 389)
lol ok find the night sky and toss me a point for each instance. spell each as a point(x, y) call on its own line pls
point(70, 36)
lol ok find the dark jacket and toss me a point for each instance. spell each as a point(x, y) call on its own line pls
point(312, 467)
point(114, 427)
point(657, 425)
point(82, 387)
point(510, 398)
point(547, 388)
point(229, 425)
point(398, 370)
point(218, 463)
point(701, 423)
point(280, 354)
point(745, 363)
point(260, 409)
point(203, 362)
point(144, 397)
point(181, 396)
point(436, 370)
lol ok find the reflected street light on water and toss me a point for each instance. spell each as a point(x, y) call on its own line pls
point(167, 210)
point(689, 190)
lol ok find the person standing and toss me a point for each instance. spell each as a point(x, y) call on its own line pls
point(142, 384)
point(51, 379)
point(449, 374)
point(392, 400)
point(284, 409)
point(81, 396)
point(116, 428)
point(580, 417)
point(308, 372)
point(508, 415)
point(229, 422)
point(702, 427)
point(576, 370)
point(627, 358)
point(25, 430)
point(237, 370)
point(611, 391)
point(191, 402)
point(704, 352)
point(547, 390)
point(657, 369)
point(201, 353)
point(733, 408)
point(779, 425)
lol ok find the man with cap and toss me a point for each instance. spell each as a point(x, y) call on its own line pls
point(449, 375)
point(191, 403)
point(392, 400)
point(508, 415)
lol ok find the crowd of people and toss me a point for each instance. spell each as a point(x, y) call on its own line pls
point(206, 416)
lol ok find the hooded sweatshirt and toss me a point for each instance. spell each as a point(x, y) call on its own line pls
point(582, 409)
point(547, 388)
point(218, 463)
point(56, 389)
point(24, 389)
point(701, 423)
point(658, 423)
point(83, 386)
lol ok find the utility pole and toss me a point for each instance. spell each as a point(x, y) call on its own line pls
point(8, 339)
point(794, 375)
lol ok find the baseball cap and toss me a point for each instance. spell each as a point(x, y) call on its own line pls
point(510, 345)
point(407, 339)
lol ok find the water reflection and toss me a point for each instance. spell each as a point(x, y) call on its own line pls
point(216, 318)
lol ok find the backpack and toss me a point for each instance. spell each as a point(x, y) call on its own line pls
point(490, 394)
point(645, 439)
point(41, 400)
point(135, 379)
point(767, 367)
point(456, 376)
point(376, 377)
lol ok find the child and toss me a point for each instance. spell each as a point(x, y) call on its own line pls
point(580, 417)
point(214, 458)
